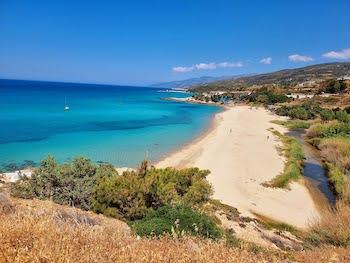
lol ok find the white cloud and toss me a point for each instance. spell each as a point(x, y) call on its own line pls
point(300, 58)
point(266, 61)
point(206, 66)
point(183, 69)
point(343, 54)
point(230, 64)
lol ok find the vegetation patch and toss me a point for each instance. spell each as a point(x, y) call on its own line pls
point(333, 228)
point(329, 129)
point(68, 184)
point(293, 151)
point(131, 195)
point(155, 198)
point(176, 221)
point(267, 96)
point(293, 124)
point(309, 110)
point(269, 223)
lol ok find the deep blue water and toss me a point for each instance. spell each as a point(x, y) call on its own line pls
point(116, 124)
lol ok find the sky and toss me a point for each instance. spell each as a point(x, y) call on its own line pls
point(138, 42)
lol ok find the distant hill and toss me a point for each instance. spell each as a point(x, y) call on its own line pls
point(193, 81)
point(287, 77)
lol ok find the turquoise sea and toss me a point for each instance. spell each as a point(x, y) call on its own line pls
point(116, 124)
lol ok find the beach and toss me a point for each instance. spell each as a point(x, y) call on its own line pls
point(242, 154)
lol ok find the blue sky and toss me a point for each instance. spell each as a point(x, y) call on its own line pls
point(142, 42)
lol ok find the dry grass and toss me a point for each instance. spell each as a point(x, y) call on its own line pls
point(336, 150)
point(333, 228)
point(40, 231)
point(37, 231)
point(323, 255)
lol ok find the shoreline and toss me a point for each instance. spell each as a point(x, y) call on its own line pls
point(196, 138)
point(241, 154)
point(225, 161)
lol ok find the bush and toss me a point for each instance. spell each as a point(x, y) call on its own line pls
point(305, 111)
point(333, 86)
point(69, 184)
point(327, 115)
point(176, 220)
point(330, 129)
point(132, 194)
point(120, 196)
point(299, 113)
point(342, 116)
point(267, 97)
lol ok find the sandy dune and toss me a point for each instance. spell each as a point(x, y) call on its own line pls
point(241, 154)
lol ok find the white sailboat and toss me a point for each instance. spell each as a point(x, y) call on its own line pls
point(66, 107)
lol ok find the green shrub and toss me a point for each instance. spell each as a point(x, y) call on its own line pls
point(327, 115)
point(121, 196)
point(176, 220)
point(267, 97)
point(299, 113)
point(305, 111)
point(131, 195)
point(330, 129)
point(342, 116)
point(333, 86)
point(68, 184)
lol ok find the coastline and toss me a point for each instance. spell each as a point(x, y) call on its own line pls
point(228, 148)
point(197, 138)
point(228, 159)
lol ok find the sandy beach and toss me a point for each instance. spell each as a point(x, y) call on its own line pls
point(242, 154)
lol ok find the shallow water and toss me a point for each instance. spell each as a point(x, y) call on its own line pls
point(116, 124)
point(313, 168)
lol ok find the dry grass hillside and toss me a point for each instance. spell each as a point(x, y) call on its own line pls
point(41, 231)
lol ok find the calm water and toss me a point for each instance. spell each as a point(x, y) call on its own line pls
point(115, 124)
point(313, 168)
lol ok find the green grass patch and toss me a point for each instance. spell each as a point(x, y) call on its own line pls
point(293, 151)
point(293, 124)
point(270, 224)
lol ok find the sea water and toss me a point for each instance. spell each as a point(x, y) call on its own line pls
point(121, 125)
